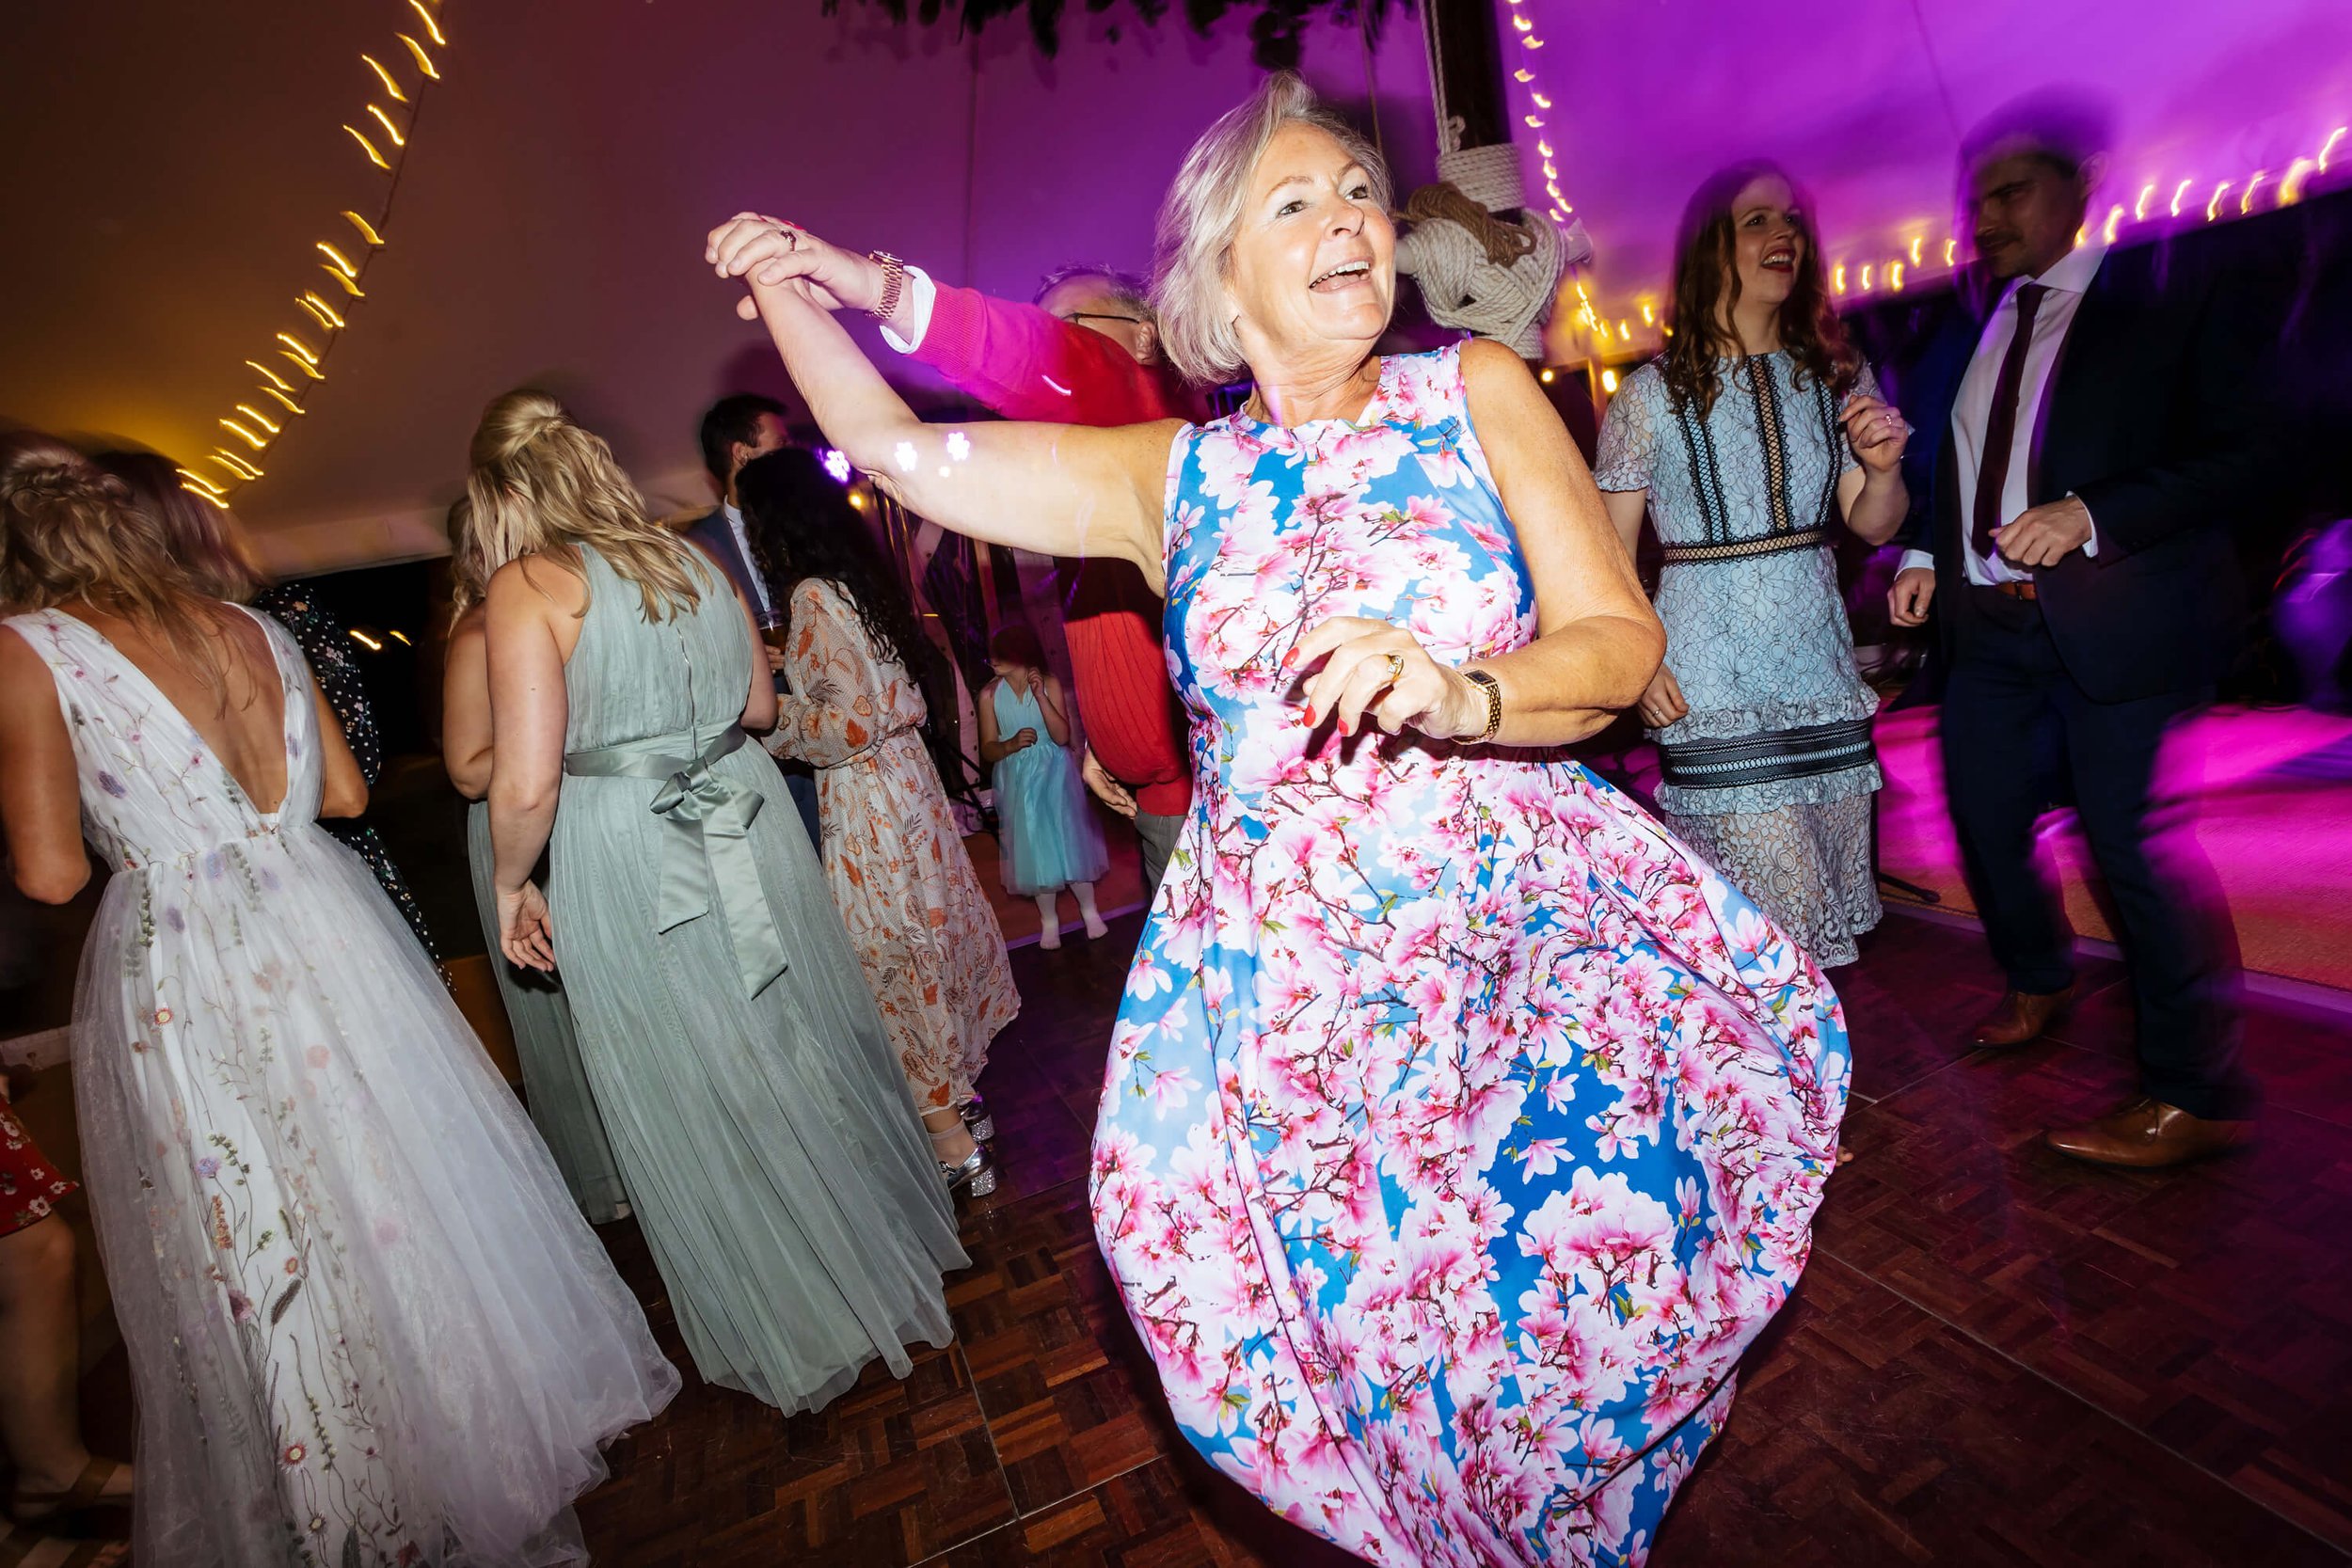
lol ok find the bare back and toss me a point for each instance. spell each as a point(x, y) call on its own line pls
point(241, 714)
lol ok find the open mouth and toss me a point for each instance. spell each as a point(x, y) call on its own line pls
point(1780, 259)
point(1346, 274)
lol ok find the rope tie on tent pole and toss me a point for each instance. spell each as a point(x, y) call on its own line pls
point(1480, 272)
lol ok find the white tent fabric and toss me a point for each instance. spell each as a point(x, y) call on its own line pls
point(168, 169)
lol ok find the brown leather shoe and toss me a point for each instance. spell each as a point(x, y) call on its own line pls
point(2021, 1018)
point(2147, 1134)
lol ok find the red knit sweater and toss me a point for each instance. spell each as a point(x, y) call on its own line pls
point(1027, 365)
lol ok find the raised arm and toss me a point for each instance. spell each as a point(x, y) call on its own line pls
point(1054, 489)
point(466, 706)
point(1597, 643)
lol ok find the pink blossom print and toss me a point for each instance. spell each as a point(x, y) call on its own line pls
point(1461, 1128)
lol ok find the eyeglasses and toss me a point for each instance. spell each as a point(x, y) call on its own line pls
point(1103, 316)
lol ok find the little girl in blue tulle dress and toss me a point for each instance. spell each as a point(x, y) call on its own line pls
point(1051, 840)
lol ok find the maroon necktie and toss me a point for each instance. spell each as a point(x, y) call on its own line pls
point(2001, 430)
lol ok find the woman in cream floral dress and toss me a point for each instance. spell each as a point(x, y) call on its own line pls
point(925, 934)
point(366, 1325)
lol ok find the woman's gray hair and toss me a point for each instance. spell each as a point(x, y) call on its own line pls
point(1203, 212)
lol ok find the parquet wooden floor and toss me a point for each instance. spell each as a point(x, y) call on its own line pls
point(1997, 1356)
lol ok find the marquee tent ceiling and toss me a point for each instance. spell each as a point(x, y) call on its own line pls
point(170, 167)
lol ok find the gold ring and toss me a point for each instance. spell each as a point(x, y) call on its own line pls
point(1396, 669)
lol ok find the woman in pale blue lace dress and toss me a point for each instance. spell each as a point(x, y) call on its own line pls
point(1754, 432)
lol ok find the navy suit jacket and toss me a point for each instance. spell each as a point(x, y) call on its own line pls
point(2154, 417)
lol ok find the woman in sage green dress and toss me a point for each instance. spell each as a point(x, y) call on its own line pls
point(755, 1106)
point(555, 1085)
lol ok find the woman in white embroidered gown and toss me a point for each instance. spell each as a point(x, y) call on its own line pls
point(366, 1324)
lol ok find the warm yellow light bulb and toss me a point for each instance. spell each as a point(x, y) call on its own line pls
point(1952, 250)
point(385, 77)
point(205, 495)
point(258, 417)
point(292, 407)
point(389, 129)
point(324, 309)
point(369, 148)
point(1915, 244)
point(2245, 203)
point(349, 286)
point(299, 347)
point(2291, 185)
point(2328, 148)
point(2115, 221)
point(2139, 208)
point(314, 312)
point(2178, 191)
point(425, 61)
point(1895, 276)
point(301, 364)
point(335, 256)
point(282, 383)
point(2213, 208)
point(244, 435)
point(367, 230)
point(430, 26)
point(1650, 314)
point(1838, 279)
point(1608, 381)
point(195, 478)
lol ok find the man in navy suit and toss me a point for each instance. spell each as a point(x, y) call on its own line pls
point(736, 430)
point(2104, 436)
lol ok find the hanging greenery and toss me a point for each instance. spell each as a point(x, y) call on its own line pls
point(1275, 28)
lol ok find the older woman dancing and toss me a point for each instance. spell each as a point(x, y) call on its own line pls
point(1461, 1128)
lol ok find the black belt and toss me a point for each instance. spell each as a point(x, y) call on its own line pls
point(1768, 758)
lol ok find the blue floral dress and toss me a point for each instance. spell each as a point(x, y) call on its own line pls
point(1461, 1128)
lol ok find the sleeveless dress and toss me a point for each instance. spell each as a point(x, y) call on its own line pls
point(365, 1323)
point(1461, 1128)
point(560, 1104)
point(1051, 838)
point(1771, 773)
point(928, 942)
point(771, 1154)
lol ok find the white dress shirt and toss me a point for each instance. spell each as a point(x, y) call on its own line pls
point(1972, 410)
point(921, 294)
point(743, 548)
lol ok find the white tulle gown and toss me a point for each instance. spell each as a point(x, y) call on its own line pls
point(367, 1324)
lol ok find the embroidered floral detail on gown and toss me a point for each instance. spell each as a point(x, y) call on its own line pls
point(366, 1324)
point(924, 930)
point(1461, 1128)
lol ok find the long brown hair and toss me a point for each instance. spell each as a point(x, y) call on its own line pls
point(206, 538)
point(68, 532)
point(540, 482)
point(1707, 286)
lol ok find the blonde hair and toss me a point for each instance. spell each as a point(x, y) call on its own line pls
point(70, 533)
point(206, 537)
point(468, 566)
point(540, 482)
point(1202, 212)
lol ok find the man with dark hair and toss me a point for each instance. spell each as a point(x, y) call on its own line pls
point(1086, 353)
point(2104, 435)
point(735, 430)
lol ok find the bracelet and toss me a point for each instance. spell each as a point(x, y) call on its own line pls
point(894, 279)
point(1493, 688)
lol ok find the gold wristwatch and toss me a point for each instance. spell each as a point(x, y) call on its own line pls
point(1493, 690)
point(894, 279)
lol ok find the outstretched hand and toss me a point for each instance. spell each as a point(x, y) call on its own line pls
point(1372, 669)
point(769, 253)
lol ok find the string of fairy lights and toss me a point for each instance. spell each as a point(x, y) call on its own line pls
point(2161, 202)
point(1536, 117)
point(2166, 200)
point(292, 363)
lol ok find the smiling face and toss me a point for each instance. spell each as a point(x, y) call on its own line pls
point(1768, 239)
point(1312, 270)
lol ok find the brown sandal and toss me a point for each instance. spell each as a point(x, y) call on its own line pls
point(88, 1493)
point(17, 1545)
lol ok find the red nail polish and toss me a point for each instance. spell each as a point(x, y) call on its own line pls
point(1311, 716)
